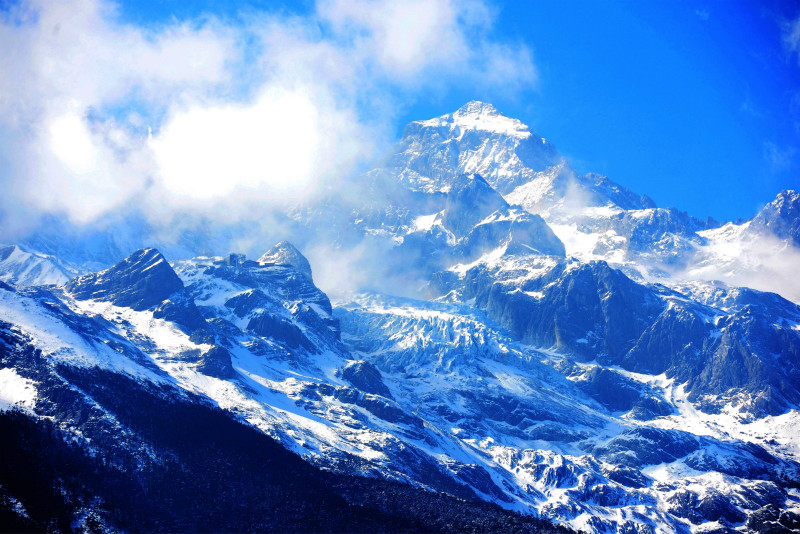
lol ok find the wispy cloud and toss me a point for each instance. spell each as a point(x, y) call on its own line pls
point(702, 14)
point(779, 158)
point(791, 36)
point(196, 115)
point(765, 263)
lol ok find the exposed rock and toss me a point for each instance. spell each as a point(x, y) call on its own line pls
point(780, 218)
point(140, 282)
point(366, 377)
point(277, 328)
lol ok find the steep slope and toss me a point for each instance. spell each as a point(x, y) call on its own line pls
point(21, 267)
point(593, 446)
point(99, 450)
point(781, 218)
point(119, 419)
point(417, 399)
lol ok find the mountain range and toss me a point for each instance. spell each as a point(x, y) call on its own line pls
point(505, 346)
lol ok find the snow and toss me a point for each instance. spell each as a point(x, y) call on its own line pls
point(491, 258)
point(59, 342)
point(538, 295)
point(156, 263)
point(739, 258)
point(423, 222)
point(23, 268)
point(538, 188)
point(729, 232)
point(446, 363)
point(16, 391)
point(483, 117)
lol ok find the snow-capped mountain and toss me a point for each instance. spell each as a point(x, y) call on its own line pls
point(23, 268)
point(563, 348)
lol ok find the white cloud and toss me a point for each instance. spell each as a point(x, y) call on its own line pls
point(409, 39)
point(249, 111)
point(283, 143)
point(404, 37)
point(765, 263)
point(71, 60)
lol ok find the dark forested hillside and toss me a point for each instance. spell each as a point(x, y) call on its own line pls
point(203, 472)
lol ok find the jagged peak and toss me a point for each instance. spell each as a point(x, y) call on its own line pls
point(284, 253)
point(781, 217)
point(787, 197)
point(150, 256)
point(786, 205)
point(141, 281)
point(141, 260)
point(476, 107)
point(480, 116)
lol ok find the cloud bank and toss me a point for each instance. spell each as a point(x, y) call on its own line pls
point(219, 116)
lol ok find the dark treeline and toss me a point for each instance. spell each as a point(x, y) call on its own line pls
point(199, 470)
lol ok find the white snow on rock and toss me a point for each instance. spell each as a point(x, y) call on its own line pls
point(481, 116)
point(23, 268)
point(16, 391)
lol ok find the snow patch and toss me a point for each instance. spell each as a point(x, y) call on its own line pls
point(16, 391)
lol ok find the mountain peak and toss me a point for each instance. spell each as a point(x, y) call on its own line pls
point(787, 197)
point(476, 107)
point(480, 116)
point(781, 217)
point(142, 280)
point(284, 253)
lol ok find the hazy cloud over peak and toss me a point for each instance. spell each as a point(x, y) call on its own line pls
point(250, 109)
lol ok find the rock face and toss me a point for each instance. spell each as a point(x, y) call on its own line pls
point(594, 312)
point(366, 377)
point(141, 281)
point(781, 218)
point(470, 200)
point(591, 310)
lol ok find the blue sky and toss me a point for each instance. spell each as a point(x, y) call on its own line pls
point(696, 104)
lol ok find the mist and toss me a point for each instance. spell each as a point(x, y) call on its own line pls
point(219, 120)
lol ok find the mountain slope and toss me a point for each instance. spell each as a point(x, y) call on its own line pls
point(109, 425)
point(564, 348)
point(21, 267)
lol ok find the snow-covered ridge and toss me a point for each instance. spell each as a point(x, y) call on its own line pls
point(25, 268)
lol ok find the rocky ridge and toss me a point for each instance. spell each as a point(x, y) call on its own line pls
point(572, 357)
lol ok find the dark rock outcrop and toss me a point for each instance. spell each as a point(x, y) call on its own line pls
point(366, 377)
point(141, 281)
